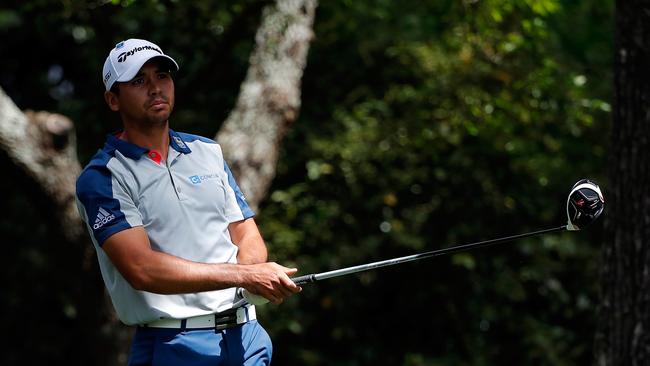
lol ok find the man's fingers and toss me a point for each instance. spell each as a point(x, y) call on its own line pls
point(286, 287)
point(275, 284)
point(288, 283)
point(285, 280)
point(286, 292)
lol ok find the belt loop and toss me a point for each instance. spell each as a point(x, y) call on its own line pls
point(183, 325)
point(241, 316)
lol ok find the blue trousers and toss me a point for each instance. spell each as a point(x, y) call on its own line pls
point(247, 344)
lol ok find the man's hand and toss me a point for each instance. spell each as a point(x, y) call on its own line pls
point(269, 280)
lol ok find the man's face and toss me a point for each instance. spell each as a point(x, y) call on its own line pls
point(147, 99)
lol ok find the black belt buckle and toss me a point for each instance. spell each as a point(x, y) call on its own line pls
point(226, 319)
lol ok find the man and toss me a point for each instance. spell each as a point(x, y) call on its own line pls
point(174, 236)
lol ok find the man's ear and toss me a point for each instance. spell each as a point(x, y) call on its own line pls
point(112, 100)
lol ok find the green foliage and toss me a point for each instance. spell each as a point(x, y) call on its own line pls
point(445, 123)
point(423, 125)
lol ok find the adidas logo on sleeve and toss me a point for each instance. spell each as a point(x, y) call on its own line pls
point(103, 217)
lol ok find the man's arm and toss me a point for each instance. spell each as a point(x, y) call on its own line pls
point(153, 271)
point(245, 235)
point(252, 249)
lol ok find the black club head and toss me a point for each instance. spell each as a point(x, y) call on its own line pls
point(584, 205)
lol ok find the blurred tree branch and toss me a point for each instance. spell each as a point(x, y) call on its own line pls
point(43, 144)
point(269, 99)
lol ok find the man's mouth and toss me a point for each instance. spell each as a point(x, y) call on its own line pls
point(157, 102)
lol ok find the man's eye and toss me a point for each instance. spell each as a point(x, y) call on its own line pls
point(163, 75)
point(137, 81)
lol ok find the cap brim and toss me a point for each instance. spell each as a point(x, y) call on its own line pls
point(130, 73)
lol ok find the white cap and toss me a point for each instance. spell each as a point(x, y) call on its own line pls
point(125, 60)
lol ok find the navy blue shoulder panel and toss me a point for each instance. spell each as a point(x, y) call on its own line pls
point(188, 137)
point(94, 190)
point(241, 200)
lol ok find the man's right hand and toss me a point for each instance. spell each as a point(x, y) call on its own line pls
point(269, 280)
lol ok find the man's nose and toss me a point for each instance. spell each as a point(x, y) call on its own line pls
point(154, 86)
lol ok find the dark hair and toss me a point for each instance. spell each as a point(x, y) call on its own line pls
point(165, 65)
point(115, 88)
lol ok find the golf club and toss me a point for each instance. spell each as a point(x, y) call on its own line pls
point(585, 204)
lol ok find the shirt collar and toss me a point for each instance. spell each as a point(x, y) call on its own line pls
point(176, 142)
point(134, 151)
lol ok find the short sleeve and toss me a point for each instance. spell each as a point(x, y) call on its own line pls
point(237, 208)
point(104, 204)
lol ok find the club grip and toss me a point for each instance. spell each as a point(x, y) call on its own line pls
point(301, 280)
point(251, 297)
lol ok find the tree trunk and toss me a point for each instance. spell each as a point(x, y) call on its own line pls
point(269, 99)
point(43, 145)
point(623, 336)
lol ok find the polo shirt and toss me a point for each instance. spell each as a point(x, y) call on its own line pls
point(185, 204)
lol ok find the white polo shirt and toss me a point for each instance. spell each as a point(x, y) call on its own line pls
point(185, 203)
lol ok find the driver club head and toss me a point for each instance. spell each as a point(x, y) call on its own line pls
point(584, 204)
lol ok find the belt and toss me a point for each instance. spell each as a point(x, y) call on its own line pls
point(226, 319)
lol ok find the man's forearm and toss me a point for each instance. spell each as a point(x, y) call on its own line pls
point(166, 274)
point(153, 271)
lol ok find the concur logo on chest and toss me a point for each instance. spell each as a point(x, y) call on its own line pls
point(198, 179)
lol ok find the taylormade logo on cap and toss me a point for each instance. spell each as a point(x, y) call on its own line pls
point(125, 60)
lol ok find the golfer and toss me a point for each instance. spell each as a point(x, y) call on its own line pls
point(174, 236)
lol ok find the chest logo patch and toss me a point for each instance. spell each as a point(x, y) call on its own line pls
point(198, 179)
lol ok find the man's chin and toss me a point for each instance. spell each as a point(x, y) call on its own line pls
point(159, 118)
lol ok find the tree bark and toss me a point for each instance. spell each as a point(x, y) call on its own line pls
point(623, 336)
point(269, 99)
point(44, 145)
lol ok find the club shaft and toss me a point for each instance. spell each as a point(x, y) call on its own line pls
point(409, 258)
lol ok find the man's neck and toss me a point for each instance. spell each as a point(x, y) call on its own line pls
point(152, 138)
